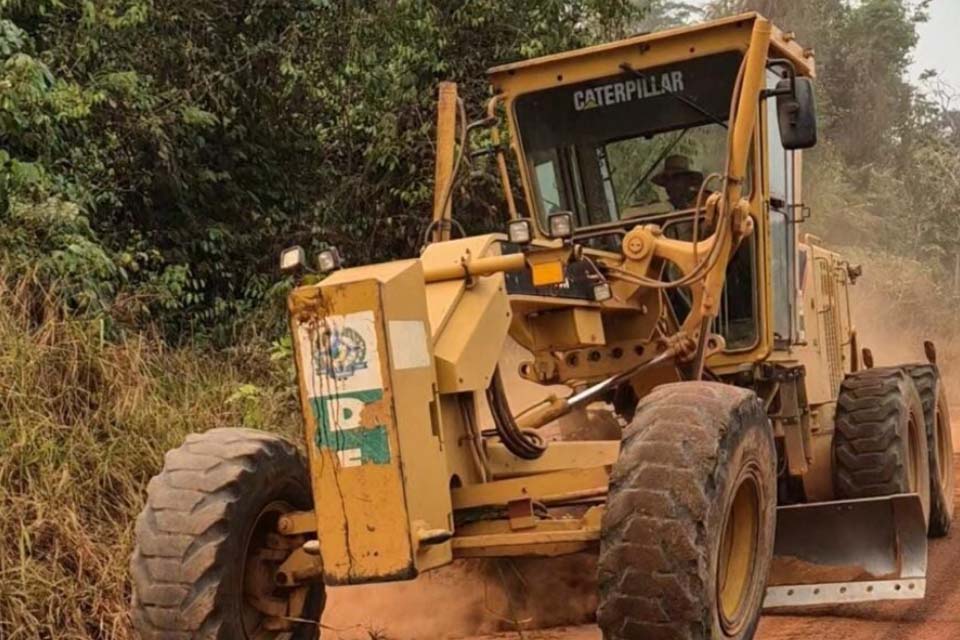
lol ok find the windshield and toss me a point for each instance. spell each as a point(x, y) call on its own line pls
point(635, 144)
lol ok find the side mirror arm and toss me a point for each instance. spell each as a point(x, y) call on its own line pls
point(789, 90)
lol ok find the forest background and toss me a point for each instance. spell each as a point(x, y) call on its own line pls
point(156, 155)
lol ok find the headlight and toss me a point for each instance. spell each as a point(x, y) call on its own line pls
point(328, 260)
point(519, 231)
point(292, 259)
point(560, 224)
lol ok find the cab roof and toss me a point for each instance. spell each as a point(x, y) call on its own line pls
point(645, 50)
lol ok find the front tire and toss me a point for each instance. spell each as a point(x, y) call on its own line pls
point(691, 513)
point(206, 545)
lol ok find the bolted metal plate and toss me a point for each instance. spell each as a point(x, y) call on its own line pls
point(843, 592)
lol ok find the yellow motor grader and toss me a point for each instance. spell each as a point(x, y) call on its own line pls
point(651, 264)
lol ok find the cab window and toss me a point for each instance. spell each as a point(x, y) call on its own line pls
point(737, 317)
point(630, 145)
point(782, 232)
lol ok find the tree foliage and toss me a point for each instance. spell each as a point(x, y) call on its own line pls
point(164, 152)
point(173, 148)
point(885, 173)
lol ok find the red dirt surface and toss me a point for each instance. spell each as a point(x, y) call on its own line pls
point(429, 612)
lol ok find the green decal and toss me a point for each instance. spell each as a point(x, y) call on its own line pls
point(339, 429)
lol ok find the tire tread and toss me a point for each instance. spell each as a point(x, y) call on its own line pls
point(651, 570)
point(182, 534)
point(868, 447)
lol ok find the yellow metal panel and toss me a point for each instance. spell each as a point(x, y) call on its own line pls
point(567, 329)
point(701, 35)
point(469, 347)
point(442, 297)
point(367, 383)
point(445, 253)
point(818, 481)
point(820, 320)
point(352, 442)
point(379, 272)
point(643, 43)
point(605, 60)
point(414, 385)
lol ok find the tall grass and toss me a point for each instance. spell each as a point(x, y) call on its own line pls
point(84, 423)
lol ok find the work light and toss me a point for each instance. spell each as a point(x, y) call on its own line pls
point(292, 259)
point(560, 224)
point(328, 260)
point(519, 231)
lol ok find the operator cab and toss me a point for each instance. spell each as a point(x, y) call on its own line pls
point(636, 148)
point(643, 146)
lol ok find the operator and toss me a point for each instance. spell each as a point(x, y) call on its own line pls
point(680, 181)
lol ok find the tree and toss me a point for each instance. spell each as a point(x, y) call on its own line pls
point(198, 138)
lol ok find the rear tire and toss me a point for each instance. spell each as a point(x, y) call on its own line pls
point(687, 534)
point(936, 415)
point(202, 550)
point(880, 443)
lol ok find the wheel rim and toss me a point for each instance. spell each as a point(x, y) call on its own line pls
point(737, 560)
point(944, 451)
point(912, 459)
point(264, 552)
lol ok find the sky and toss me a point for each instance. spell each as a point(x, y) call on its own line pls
point(939, 46)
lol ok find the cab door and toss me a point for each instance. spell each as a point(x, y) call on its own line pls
point(781, 204)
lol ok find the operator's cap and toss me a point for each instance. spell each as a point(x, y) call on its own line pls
point(675, 166)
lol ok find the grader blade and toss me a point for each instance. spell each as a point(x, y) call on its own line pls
point(849, 551)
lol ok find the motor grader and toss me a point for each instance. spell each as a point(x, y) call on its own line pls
point(652, 268)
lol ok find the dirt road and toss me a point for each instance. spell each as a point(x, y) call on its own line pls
point(465, 601)
point(937, 617)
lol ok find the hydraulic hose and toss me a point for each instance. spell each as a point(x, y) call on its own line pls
point(527, 445)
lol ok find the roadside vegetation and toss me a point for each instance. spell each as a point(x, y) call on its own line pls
point(155, 157)
point(84, 423)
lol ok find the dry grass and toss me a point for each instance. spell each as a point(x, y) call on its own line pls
point(84, 423)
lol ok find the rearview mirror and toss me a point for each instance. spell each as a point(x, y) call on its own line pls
point(797, 113)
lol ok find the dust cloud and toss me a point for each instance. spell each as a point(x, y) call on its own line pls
point(895, 333)
point(467, 598)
